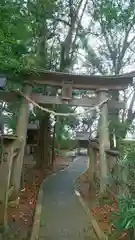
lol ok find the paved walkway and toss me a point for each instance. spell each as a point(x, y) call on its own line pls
point(63, 217)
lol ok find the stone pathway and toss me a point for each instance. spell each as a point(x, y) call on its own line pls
point(63, 217)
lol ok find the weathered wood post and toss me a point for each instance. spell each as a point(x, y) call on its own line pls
point(104, 142)
point(112, 161)
point(21, 132)
point(92, 167)
point(5, 173)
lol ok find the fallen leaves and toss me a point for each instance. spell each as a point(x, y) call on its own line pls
point(102, 211)
point(103, 214)
point(20, 217)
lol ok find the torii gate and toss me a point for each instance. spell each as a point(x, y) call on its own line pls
point(100, 84)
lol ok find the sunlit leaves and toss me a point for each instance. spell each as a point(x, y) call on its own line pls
point(13, 34)
point(114, 12)
point(125, 219)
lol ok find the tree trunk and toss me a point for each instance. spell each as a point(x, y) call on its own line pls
point(21, 131)
point(43, 148)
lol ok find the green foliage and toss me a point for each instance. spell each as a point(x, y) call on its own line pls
point(21, 27)
point(127, 166)
point(127, 150)
point(125, 218)
point(64, 125)
point(13, 34)
point(120, 126)
point(57, 151)
point(114, 13)
point(68, 144)
point(127, 145)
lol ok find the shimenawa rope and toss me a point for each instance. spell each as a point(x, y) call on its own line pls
point(97, 107)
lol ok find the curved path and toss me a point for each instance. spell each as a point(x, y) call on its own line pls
point(63, 217)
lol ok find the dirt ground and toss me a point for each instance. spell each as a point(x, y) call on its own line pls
point(20, 218)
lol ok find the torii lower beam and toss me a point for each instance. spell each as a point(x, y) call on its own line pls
point(41, 99)
point(82, 102)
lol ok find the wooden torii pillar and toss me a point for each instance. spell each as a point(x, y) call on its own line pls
point(92, 166)
point(21, 132)
point(104, 142)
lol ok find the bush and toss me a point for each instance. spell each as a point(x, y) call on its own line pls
point(124, 220)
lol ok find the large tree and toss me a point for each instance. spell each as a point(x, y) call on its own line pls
point(112, 27)
point(57, 37)
point(49, 40)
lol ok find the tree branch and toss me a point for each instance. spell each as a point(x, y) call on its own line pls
point(77, 29)
point(67, 44)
